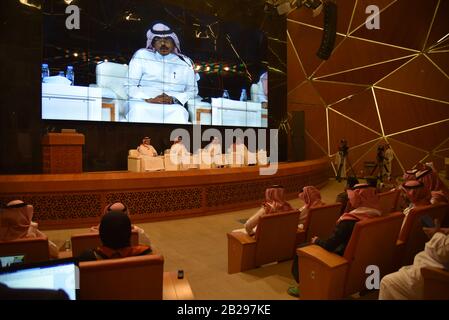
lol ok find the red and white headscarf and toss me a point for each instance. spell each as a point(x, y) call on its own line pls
point(365, 201)
point(410, 174)
point(311, 197)
point(432, 181)
point(162, 31)
point(274, 200)
point(416, 192)
point(15, 220)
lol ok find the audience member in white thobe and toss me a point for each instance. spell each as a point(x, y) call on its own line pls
point(408, 283)
point(16, 223)
point(161, 79)
point(274, 203)
point(417, 194)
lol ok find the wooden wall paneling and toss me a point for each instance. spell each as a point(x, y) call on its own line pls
point(368, 75)
point(401, 112)
point(439, 26)
point(296, 77)
point(419, 77)
point(407, 154)
point(361, 108)
point(332, 92)
point(305, 94)
point(360, 14)
point(411, 32)
point(426, 138)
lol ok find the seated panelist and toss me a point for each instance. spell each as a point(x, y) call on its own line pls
point(146, 149)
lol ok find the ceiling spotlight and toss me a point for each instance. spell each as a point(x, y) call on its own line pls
point(226, 68)
point(129, 16)
point(207, 69)
point(32, 3)
point(75, 54)
point(68, 2)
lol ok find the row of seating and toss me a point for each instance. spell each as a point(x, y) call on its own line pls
point(140, 277)
point(278, 235)
point(324, 275)
point(137, 164)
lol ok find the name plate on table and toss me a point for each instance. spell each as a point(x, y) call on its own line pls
point(236, 113)
point(64, 102)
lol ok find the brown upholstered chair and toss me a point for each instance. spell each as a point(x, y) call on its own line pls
point(436, 283)
point(275, 240)
point(326, 275)
point(133, 278)
point(412, 238)
point(389, 201)
point(33, 249)
point(91, 240)
point(320, 222)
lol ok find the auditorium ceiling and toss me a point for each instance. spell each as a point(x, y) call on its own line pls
point(386, 85)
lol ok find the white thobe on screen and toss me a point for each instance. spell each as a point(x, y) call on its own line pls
point(151, 74)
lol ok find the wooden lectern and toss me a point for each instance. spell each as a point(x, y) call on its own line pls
point(63, 152)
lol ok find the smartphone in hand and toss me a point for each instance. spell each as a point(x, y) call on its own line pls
point(180, 274)
point(427, 222)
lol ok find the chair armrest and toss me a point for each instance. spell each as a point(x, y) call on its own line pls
point(435, 274)
point(176, 289)
point(241, 252)
point(241, 237)
point(322, 274)
point(320, 255)
point(436, 283)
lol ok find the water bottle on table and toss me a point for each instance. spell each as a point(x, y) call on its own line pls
point(243, 96)
point(70, 75)
point(226, 94)
point(45, 71)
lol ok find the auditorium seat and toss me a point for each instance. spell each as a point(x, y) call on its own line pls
point(33, 249)
point(91, 240)
point(133, 278)
point(326, 275)
point(436, 283)
point(320, 222)
point(389, 201)
point(275, 240)
point(412, 238)
point(134, 161)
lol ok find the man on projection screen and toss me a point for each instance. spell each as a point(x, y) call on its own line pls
point(161, 80)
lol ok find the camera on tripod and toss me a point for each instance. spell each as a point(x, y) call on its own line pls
point(343, 149)
point(380, 153)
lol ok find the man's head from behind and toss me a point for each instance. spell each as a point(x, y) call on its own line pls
point(162, 39)
point(115, 230)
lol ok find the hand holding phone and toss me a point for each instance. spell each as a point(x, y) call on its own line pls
point(180, 274)
point(427, 221)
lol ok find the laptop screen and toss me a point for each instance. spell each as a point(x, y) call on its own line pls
point(54, 275)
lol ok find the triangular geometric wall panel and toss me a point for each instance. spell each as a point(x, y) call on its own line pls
point(428, 81)
point(332, 92)
point(357, 53)
point(402, 62)
point(342, 127)
point(401, 112)
point(439, 26)
point(296, 78)
point(361, 108)
point(426, 138)
point(313, 150)
point(360, 14)
point(300, 34)
point(441, 59)
point(369, 74)
point(408, 154)
point(305, 94)
point(406, 33)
